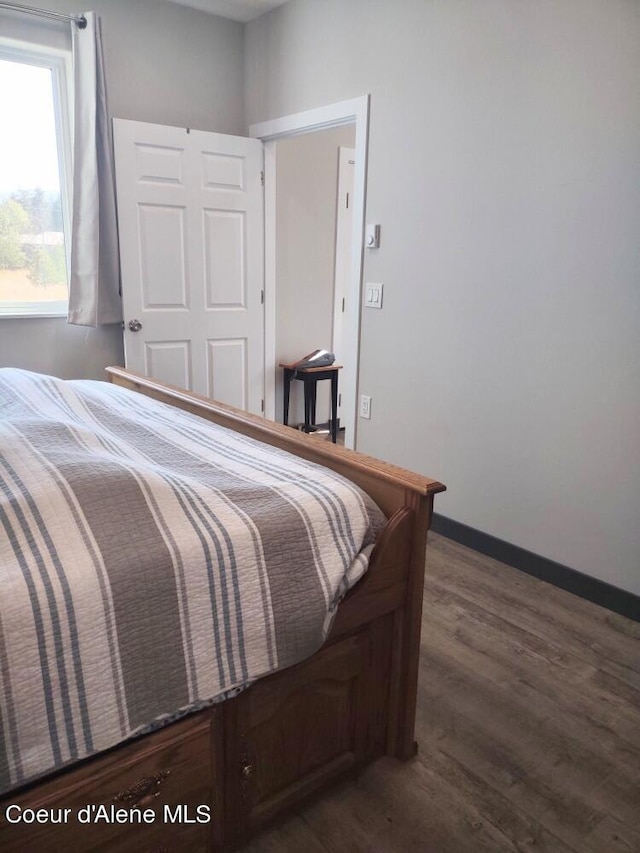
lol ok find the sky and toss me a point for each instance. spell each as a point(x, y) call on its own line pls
point(28, 158)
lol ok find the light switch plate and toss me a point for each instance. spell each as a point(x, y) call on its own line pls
point(372, 295)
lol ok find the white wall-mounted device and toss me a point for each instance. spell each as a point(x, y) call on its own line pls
point(372, 236)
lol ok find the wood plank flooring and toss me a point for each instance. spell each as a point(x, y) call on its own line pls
point(528, 724)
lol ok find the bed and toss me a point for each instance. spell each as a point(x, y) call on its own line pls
point(303, 672)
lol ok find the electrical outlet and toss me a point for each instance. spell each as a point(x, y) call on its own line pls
point(365, 406)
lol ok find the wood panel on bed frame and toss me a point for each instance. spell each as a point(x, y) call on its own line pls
point(213, 778)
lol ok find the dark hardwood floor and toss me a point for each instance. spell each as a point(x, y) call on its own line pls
point(528, 725)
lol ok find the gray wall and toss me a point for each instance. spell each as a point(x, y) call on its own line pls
point(165, 64)
point(306, 190)
point(504, 170)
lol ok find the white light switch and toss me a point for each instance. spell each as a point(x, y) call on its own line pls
point(373, 295)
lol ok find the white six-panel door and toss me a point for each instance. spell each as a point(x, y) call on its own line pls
point(190, 216)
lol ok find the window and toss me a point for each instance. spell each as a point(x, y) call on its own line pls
point(35, 174)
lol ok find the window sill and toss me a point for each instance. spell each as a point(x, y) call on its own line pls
point(32, 310)
point(32, 316)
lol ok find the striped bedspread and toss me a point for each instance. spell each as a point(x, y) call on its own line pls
point(150, 563)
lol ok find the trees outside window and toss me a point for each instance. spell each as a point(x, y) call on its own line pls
point(34, 172)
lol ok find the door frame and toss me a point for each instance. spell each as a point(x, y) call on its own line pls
point(346, 158)
point(353, 111)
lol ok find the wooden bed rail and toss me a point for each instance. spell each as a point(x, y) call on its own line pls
point(388, 484)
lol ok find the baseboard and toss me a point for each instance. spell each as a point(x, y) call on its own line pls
point(585, 586)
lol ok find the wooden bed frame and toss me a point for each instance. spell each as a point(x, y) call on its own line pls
point(213, 778)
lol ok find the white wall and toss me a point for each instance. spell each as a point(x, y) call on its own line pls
point(306, 189)
point(166, 64)
point(504, 168)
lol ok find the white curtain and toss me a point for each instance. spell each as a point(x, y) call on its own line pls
point(94, 286)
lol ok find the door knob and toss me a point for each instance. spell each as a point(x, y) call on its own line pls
point(135, 325)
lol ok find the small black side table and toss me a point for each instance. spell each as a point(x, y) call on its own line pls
point(310, 376)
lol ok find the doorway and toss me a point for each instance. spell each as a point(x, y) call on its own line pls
point(307, 244)
point(354, 113)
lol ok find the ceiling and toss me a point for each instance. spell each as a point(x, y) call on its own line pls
point(237, 10)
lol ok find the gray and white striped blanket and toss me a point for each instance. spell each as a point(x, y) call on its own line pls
point(150, 563)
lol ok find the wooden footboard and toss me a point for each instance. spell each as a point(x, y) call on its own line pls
point(208, 781)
